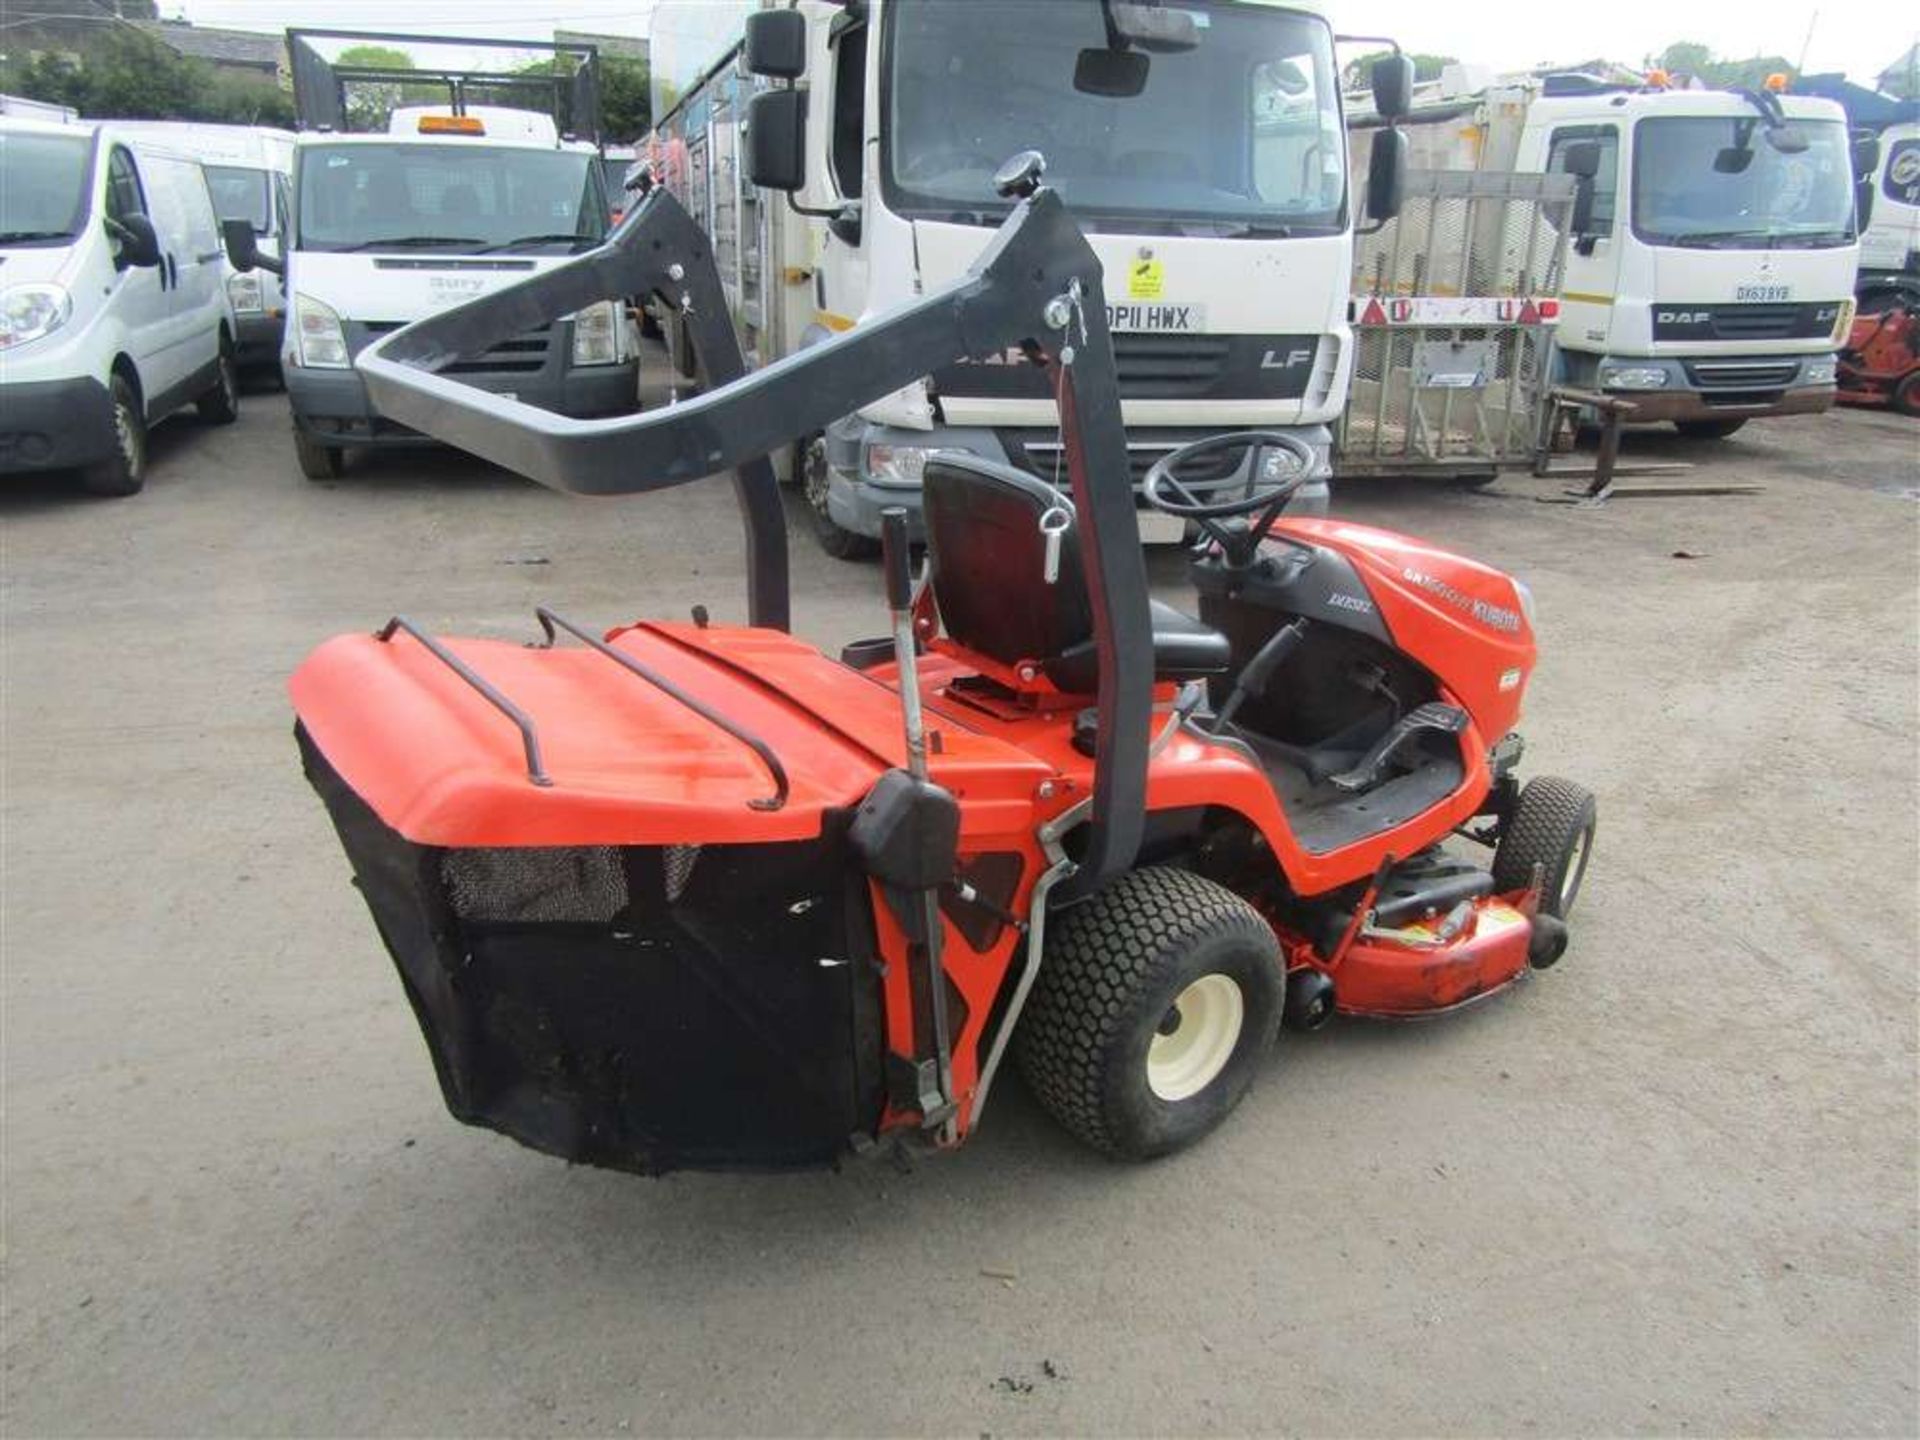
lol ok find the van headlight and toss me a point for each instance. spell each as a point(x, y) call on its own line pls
point(596, 334)
point(27, 312)
point(246, 293)
point(322, 345)
point(903, 466)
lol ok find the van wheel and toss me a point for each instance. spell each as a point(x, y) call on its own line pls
point(125, 470)
point(835, 539)
point(1155, 1001)
point(221, 404)
point(1707, 429)
point(317, 461)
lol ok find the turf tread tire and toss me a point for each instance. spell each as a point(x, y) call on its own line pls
point(1105, 960)
point(1550, 814)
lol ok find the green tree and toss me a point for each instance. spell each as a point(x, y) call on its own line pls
point(625, 103)
point(1691, 58)
point(1358, 74)
point(123, 75)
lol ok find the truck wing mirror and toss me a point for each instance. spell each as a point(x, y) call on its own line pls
point(1787, 139)
point(776, 44)
point(1393, 87)
point(1386, 176)
point(243, 248)
point(777, 135)
point(1581, 159)
point(139, 242)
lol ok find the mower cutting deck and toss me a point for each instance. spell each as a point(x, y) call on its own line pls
point(700, 895)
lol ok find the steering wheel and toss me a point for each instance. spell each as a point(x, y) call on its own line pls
point(1163, 490)
point(930, 162)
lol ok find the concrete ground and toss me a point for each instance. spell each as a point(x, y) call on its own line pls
point(1669, 1187)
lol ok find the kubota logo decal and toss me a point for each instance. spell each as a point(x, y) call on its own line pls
point(1492, 615)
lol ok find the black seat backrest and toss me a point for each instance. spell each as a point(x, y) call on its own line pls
point(986, 561)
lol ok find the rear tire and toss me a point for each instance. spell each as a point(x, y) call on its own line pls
point(1552, 826)
point(1906, 395)
point(1155, 1001)
point(835, 539)
point(123, 472)
point(317, 461)
point(221, 404)
point(1707, 429)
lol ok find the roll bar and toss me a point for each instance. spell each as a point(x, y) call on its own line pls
point(1037, 286)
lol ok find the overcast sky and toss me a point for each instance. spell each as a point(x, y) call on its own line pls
point(1860, 37)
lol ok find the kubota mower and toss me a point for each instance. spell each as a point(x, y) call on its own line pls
point(1880, 364)
point(698, 895)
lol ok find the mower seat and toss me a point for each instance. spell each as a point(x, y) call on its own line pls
point(986, 559)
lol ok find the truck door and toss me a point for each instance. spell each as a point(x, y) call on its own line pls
point(142, 297)
point(1593, 264)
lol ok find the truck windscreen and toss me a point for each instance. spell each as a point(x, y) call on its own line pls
point(43, 187)
point(240, 193)
point(1240, 133)
point(447, 197)
point(1715, 182)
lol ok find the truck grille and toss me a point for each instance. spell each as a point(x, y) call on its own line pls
point(1742, 374)
point(1169, 367)
point(1788, 320)
point(1039, 452)
point(525, 354)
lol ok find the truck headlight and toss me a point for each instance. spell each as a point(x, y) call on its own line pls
point(28, 312)
point(246, 293)
point(901, 465)
point(1820, 372)
point(596, 334)
point(322, 345)
point(1633, 377)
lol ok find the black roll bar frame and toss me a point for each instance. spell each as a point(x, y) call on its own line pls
point(1037, 286)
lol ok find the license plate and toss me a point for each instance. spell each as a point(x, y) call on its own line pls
point(1763, 294)
point(1155, 317)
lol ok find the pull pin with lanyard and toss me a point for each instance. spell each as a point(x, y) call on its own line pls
point(1063, 312)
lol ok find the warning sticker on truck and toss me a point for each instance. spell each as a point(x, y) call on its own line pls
point(1164, 319)
point(1146, 279)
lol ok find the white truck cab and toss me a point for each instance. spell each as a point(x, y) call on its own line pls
point(1714, 282)
point(1890, 242)
point(439, 203)
point(1207, 166)
point(113, 303)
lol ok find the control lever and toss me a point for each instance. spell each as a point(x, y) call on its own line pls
point(1256, 672)
point(1434, 715)
point(937, 1108)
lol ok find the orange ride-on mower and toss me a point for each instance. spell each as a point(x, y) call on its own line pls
point(1881, 362)
point(698, 895)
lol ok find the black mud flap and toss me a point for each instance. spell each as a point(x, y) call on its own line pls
point(638, 1008)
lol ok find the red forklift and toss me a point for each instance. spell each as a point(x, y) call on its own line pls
point(697, 895)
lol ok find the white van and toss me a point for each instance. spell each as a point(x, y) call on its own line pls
point(1890, 244)
point(113, 303)
point(249, 169)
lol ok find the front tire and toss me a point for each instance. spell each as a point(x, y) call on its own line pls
point(221, 403)
point(1708, 429)
point(1155, 1001)
point(124, 471)
point(834, 538)
point(317, 461)
point(1552, 827)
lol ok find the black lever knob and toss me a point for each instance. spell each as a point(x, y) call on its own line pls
point(1020, 176)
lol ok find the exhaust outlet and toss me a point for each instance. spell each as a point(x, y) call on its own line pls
point(1309, 999)
point(1549, 941)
